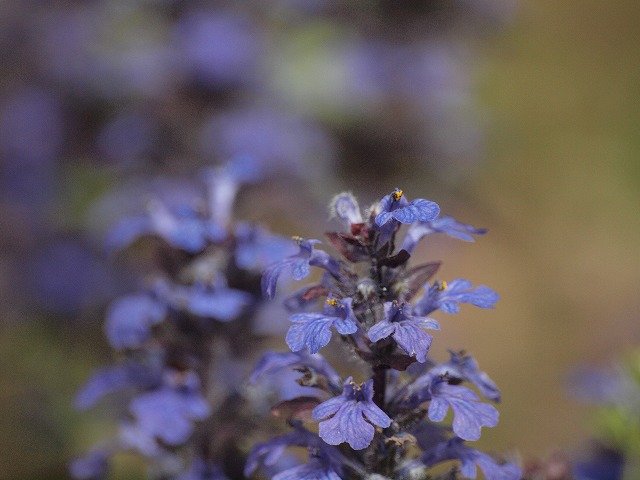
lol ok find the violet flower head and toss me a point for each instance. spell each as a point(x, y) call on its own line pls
point(353, 416)
point(312, 329)
point(298, 265)
point(221, 303)
point(463, 367)
point(406, 330)
point(257, 248)
point(395, 206)
point(130, 318)
point(445, 224)
point(447, 295)
point(369, 297)
point(168, 413)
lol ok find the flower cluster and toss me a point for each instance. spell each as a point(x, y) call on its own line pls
point(186, 337)
point(390, 424)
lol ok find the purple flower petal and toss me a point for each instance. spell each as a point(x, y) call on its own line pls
point(130, 318)
point(469, 414)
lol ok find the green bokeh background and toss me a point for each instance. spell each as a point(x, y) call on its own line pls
point(559, 190)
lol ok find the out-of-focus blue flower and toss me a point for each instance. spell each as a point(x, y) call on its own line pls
point(131, 436)
point(353, 414)
point(127, 137)
point(446, 224)
point(181, 228)
point(63, 275)
point(31, 139)
point(223, 183)
point(93, 465)
point(283, 143)
point(31, 127)
point(447, 295)
point(168, 413)
point(112, 379)
point(64, 45)
point(468, 414)
point(298, 265)
point(218, 48)
point(256, 248)
point(602, 464)
point(130, 318)
point(406, 330)
point(221, 303)
point(601, 386)
point(313, 329)
point(395, 206)
point(455, 449)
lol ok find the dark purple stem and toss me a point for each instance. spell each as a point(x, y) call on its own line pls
point(379, 385)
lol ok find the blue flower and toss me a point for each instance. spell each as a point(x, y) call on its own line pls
point(446, 224)
point(268, 453)
point(272, 362)
point(395, 206)
point(318, 468)
point(298, 265)
point(353, 415)
point(168, 413)
point(446, 296)
point(469, 414)
point(93, 465)
point(218, 49)
point(256, 248)
point(112, 379)
point(601, 463)
point(313, 329)
point(222, 303)
point(182, 228)
point(464, 367)
point(406, 329)
point(130, 318)
point(223, 183)
point(280, 142)
point(455, 449)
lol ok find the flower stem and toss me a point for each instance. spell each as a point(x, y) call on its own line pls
point(379, 385)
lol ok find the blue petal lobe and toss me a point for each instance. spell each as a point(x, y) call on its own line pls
point(130, 318)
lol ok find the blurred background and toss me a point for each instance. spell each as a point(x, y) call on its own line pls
point(518, 116)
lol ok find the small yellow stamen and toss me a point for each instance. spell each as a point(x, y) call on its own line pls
point(397, 194)
point(442, 285)
point(332, 301)
point(297, 239)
